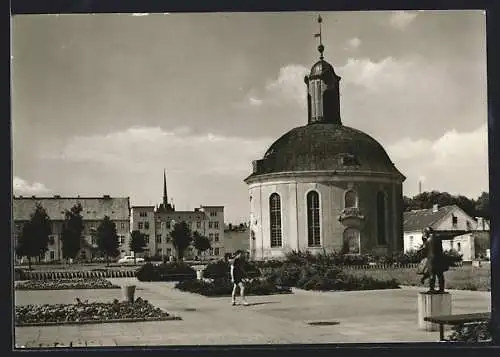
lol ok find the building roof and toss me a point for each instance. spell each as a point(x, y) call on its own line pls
point(325, 147)
point(419, 219)
point(94, 208)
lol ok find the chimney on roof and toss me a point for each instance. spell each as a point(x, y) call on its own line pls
point(57, 196)
point(435, 208)
point(33, 196)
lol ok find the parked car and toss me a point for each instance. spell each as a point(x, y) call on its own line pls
point(128, 259)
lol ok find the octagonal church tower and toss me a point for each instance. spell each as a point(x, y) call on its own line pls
point(325, 186)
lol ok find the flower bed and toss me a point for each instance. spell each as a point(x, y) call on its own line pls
point(65, 284)
point(224, 287)
point(176, 271)
point(471, 333)
point(85, 313)
point(325, 277)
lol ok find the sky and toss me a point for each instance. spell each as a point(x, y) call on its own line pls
point(103, 103)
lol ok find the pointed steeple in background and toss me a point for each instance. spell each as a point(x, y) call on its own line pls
point(165, 196)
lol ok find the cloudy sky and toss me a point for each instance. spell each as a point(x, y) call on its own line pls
point(103, 103)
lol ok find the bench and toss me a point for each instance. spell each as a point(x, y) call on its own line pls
point(457, 320)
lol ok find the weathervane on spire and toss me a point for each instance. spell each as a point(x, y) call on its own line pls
point(321, 48)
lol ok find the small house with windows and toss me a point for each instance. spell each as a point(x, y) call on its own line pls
point(325, 186)
point(446, 219)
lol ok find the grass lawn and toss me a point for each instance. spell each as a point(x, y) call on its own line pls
point(460, 278)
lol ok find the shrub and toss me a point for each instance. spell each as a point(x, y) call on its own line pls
point(478, 332)
point(224, 287)
point(222, 269)
point(453, 258)
point(175, 271)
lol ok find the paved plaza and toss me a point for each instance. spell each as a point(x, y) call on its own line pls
point(358, 316)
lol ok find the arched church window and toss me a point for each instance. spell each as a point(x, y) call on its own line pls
point(381, 218)
point(275, 220)
point(351, 241)
point(313, 222)
point(351, 199)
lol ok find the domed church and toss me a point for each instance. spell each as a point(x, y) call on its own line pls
point(324, 186)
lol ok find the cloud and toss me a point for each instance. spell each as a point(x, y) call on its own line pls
point(354, 43)
point(387, 72)
point(289, 85)
point(455, 162)
point(401, 19)
point(142, 149)
point(256, 102)
point(22, 187)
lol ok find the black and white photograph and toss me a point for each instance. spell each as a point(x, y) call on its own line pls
point(250, 178)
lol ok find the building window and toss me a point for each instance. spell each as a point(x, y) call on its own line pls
point(313, 223)
point(469, 226)
point(216, 251)
point(122, 225)
point(146, 225)
point(158, 226)
point(52, 255)
point(167, 224)
point(216, 225)
point(139, 225)
point(93, 240)
point(381, 214)
point(198, 224)
point(168, 238)
point(122, 239)
point(410, 243)
point(454, 221)
point(158, 238)
point(169, 251)
point(216, 237)
point(351, 199)
point(146, 238)
point(275, 220)
point(158, 251)
point(351, 241)
point(210, 224)
point(213, 214)
point(143, 214)
point(211, 237)
point(459, 247)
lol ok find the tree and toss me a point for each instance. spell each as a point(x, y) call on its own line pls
point(34, 238)
point(72, 232)
point(181, 238)
point(137, 242)
point(482, 205)
point(107, 239)
point(201, 243)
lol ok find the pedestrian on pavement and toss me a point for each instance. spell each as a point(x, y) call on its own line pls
point(238, 274)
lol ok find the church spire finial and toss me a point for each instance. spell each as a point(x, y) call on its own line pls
point(165, 197)
point(321, 48)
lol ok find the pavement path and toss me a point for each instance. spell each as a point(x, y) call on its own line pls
point(358, 316)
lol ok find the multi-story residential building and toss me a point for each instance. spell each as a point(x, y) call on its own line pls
point(157, 223)
point(237, 237)
point(94, 211)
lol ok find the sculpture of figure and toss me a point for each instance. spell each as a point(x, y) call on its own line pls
point(435, 264)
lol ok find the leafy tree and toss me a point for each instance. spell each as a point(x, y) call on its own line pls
point(201, 243)
point(107, 239)
point(181, 238)
point(137, 242)
point(34, 238)
point(426, 200)
point(482, 205)
point(72, 232)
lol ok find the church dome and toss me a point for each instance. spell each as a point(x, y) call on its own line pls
point(322, 68)
point(325, 147)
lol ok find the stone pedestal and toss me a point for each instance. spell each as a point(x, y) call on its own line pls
point(432, 304)
point(128, 292)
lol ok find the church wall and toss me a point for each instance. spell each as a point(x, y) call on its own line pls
point(294, 215)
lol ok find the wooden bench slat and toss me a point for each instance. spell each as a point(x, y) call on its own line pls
point(459, 319)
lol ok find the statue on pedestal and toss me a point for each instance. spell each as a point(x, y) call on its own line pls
point(434, 263)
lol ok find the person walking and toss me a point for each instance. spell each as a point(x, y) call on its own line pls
point(237, 275)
